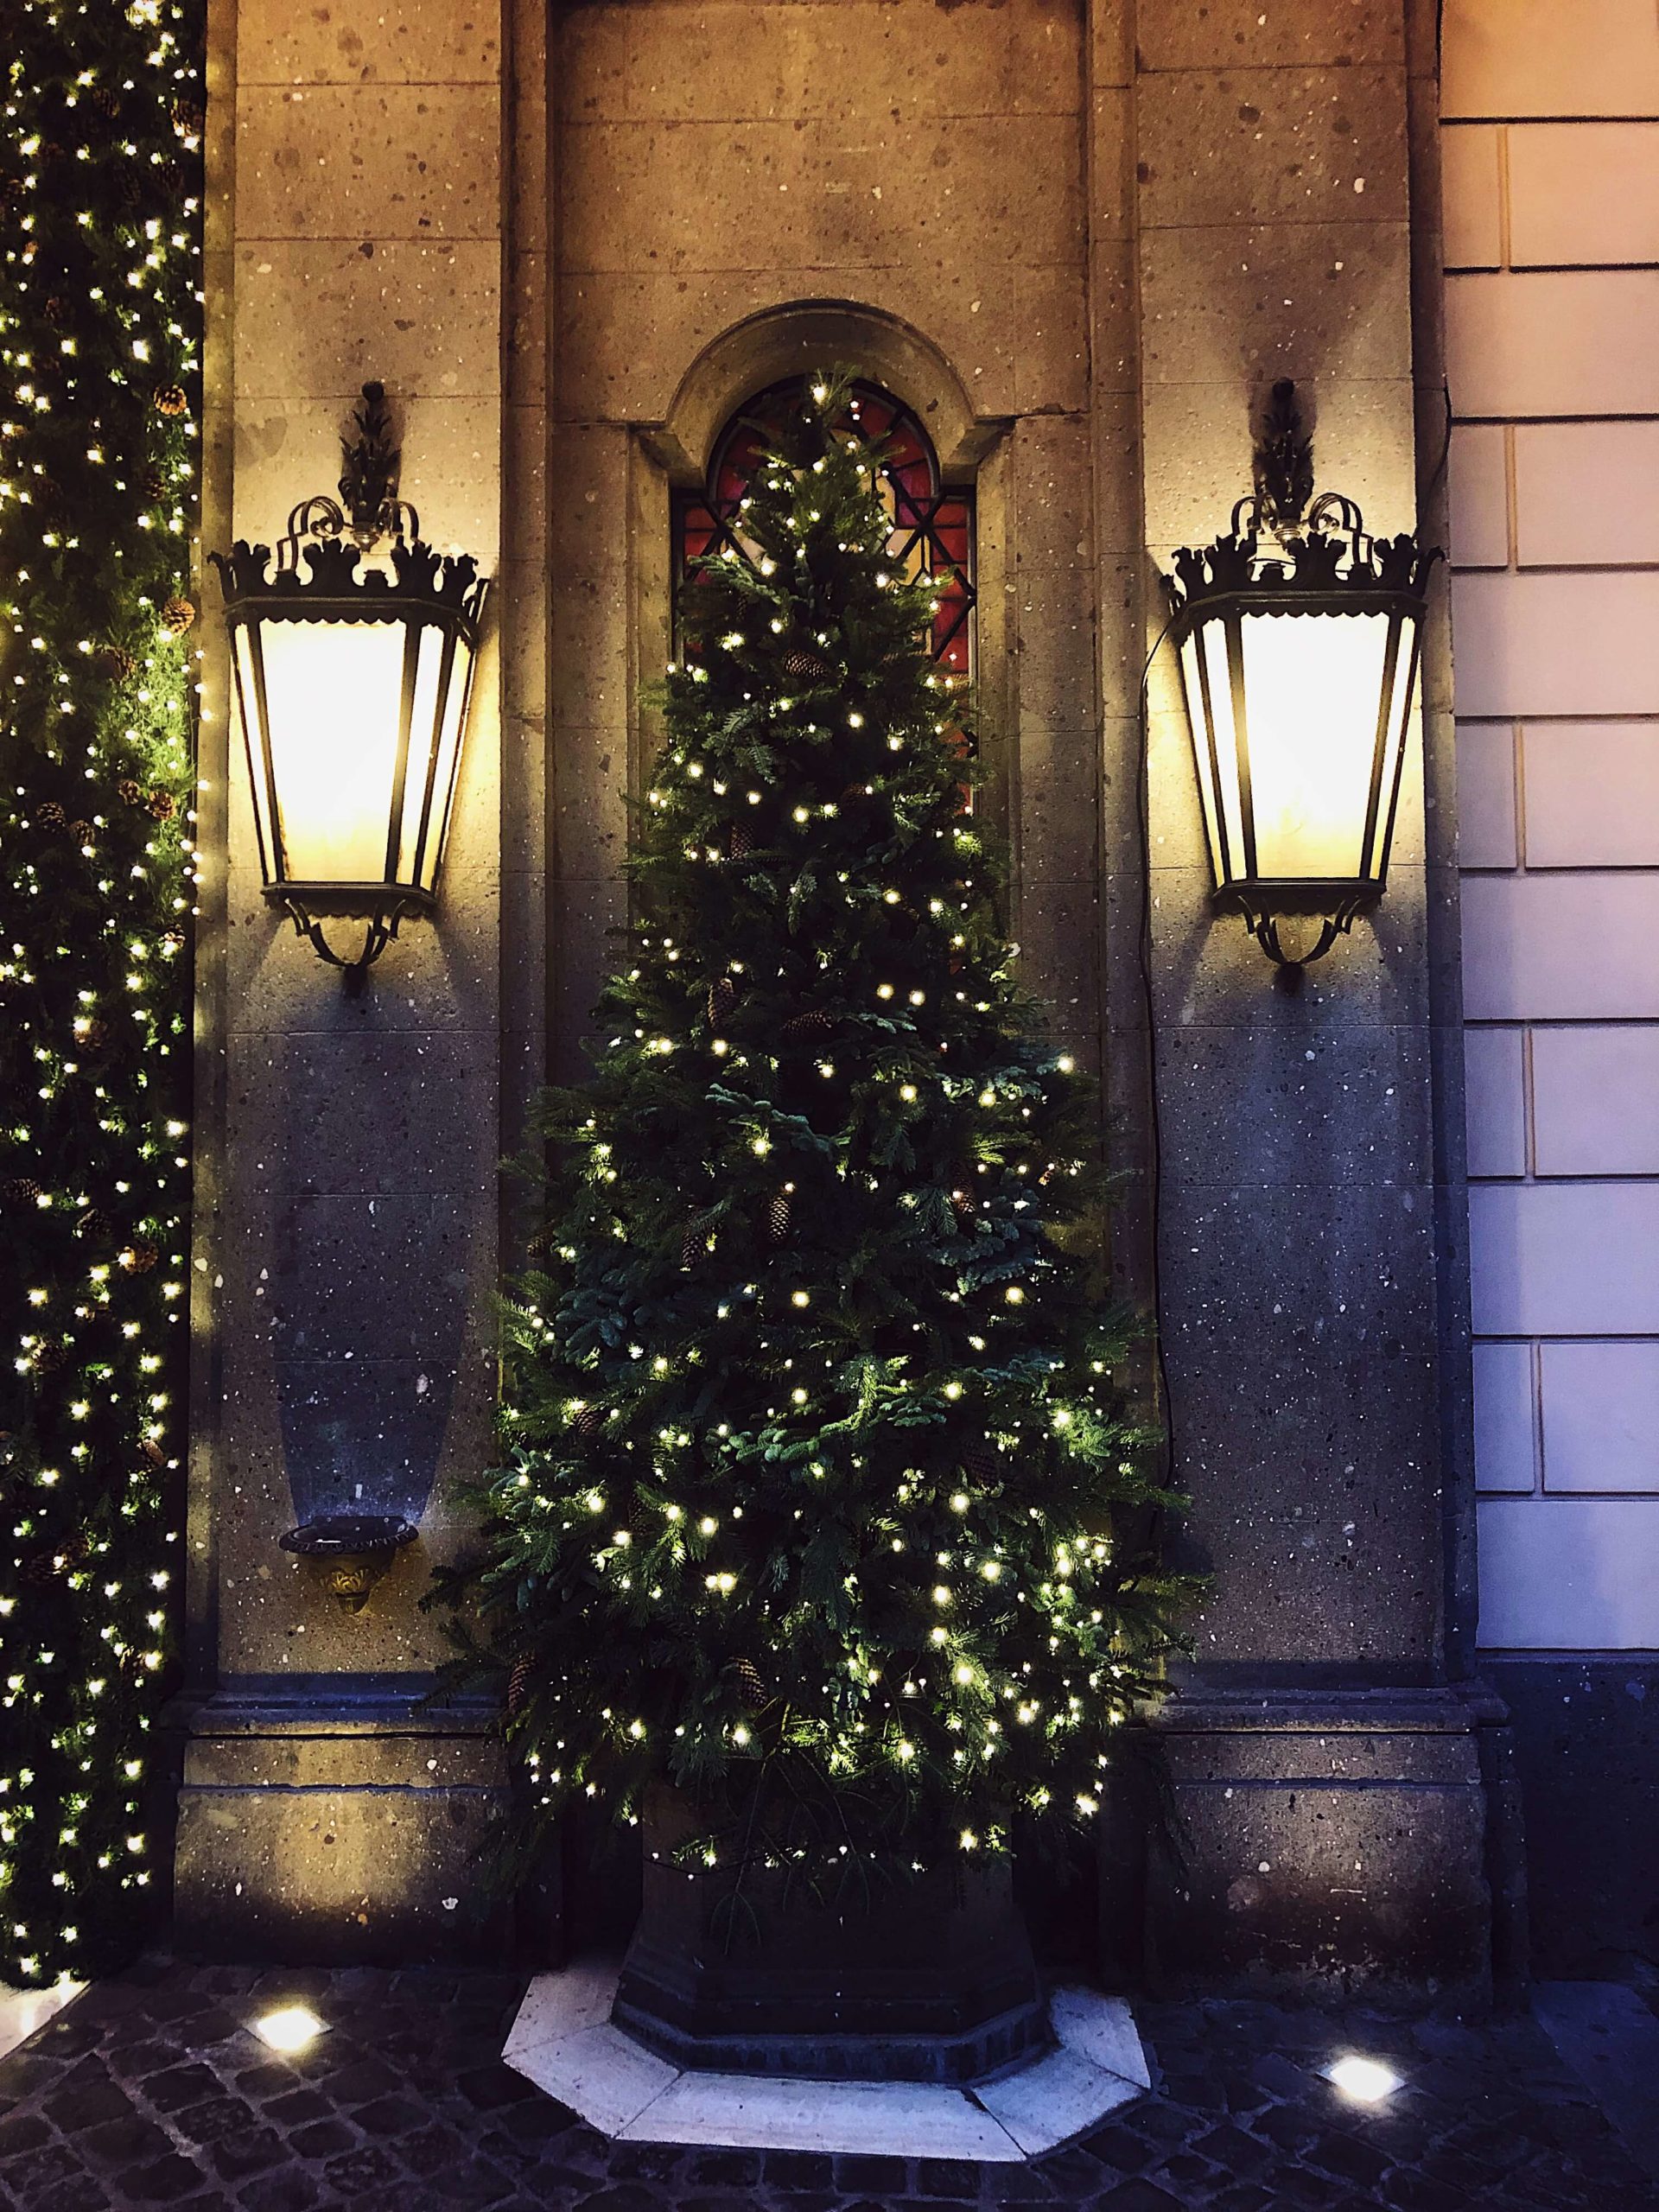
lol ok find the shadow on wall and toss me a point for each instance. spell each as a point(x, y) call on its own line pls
point(371, 1250)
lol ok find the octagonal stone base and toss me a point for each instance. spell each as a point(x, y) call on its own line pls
point(565, 2041)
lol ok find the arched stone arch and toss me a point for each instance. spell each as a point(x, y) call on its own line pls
point(782, 341)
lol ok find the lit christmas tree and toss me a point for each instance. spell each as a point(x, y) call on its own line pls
point(100, 187)
point(819, 1467)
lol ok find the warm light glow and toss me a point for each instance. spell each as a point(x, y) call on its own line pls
point(1367, 2080)
point(291, 2028)
point(1311, 687)
point(333, 693)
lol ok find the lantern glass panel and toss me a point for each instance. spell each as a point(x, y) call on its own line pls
point(334, 699)
point(1207, 679)
point(449, 735)
point(426, 647)
point(1312, 687)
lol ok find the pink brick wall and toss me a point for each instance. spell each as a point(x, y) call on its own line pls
point(1551, 168)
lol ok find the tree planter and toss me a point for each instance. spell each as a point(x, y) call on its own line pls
point(929, 1981)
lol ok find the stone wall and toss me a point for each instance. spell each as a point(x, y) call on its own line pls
point(1080, 240)
point(1550, 154)
point(346, 1261)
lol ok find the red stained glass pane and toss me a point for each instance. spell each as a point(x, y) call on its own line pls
point(932, 526)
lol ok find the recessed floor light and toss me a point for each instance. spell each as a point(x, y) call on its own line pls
point(291, 2028)
point(1367, 2080)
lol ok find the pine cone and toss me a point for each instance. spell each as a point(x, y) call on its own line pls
point(115, 661)
point(723, 997)
point(36, 1570)
point(742, 842)
point(102, 101)
point(162, 805)
point(23, 1190)
point(805, 666)
point(962, 1206)
point(519, 1683)
point(47, 1355)
point(171, 399)
point(177, 616)
point(55, 309)
point(778, 1217)
point(132, 793)
point(95, 1222)
point(979, 1462)
point(189, 116)
point(137, 1259)
point(815, 1022)
point(750, 1687)
point(588, 1422)
point(693, 1245)
point(81, 833)
point(50, 815)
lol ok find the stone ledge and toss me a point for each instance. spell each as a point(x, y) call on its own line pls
point(564, 2040)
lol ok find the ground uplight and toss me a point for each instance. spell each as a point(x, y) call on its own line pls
point(291, 2028)
point(1367, 2080)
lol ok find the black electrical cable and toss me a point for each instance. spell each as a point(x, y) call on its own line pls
point(1154, 1127)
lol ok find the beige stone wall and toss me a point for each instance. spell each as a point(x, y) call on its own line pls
point(349, 1273)
point(1551, 161)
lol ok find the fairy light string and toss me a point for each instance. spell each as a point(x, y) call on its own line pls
point(819, 1476)
point(100, 315)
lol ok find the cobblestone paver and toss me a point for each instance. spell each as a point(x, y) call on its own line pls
point(151, 2090)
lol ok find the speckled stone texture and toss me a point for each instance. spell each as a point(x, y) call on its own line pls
point(150, 2090)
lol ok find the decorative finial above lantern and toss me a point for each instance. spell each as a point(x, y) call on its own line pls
point(352, 683)
point(1299, 638)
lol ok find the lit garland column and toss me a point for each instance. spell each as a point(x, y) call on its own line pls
point(346, 1275)
point(1324, 1753)
point(100, 198)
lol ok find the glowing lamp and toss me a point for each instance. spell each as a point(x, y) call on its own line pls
point(1299, 638)
point(352, 681)
point(290, 2029)
point(1367, 2080)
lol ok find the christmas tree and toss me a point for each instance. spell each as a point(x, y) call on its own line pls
point(819, 1473)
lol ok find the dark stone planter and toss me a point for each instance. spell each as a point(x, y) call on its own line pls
point(929, 1981)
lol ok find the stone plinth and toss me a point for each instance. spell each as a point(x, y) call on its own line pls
point(326, 1822)
point(566, 2042)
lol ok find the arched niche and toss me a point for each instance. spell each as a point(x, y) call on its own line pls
point(784, 341)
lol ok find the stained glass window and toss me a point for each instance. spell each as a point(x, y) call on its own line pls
point(933, 523)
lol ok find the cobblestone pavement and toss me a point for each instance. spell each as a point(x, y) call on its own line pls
point(150, 2090)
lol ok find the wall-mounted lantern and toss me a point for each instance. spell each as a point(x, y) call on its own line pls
point(353, 682)
point(1299, 638)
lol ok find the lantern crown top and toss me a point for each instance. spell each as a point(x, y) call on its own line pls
point(1302, 552)
point(334, 572)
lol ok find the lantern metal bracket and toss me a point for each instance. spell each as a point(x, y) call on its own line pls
point(378, 929)
point(1264, 905)
point(370, 464)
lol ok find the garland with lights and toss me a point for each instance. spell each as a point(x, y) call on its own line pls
point(100, 194)
point(821, 1490)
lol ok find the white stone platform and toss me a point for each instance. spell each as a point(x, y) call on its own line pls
point(23, 2010)
point(564, 2040)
